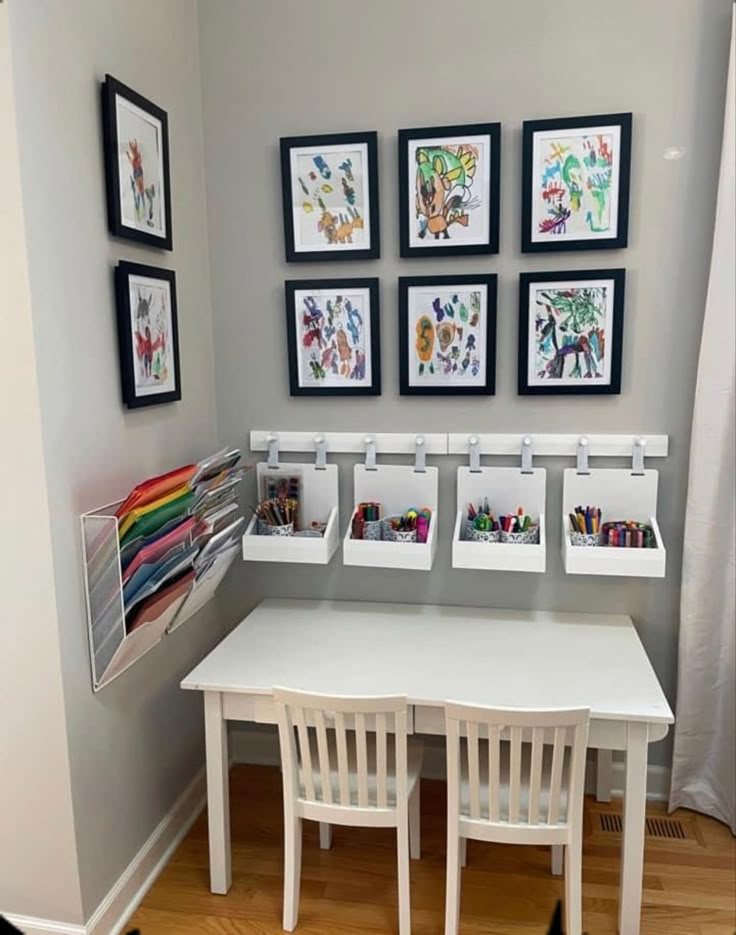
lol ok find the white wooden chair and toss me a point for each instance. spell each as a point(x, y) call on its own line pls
point(516, 776)
point(347, 761)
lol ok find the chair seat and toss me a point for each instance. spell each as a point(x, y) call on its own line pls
point(415, 752)
point(524, 817)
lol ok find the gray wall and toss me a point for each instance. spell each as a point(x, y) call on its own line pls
point(135, 746)
point(287, 69)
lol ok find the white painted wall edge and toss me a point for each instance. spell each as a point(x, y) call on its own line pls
point(123, 899)
point(259, 745)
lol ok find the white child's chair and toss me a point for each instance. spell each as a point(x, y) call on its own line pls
point(516, 776)
point(347, 761)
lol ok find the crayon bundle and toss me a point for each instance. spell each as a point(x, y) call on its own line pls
point(586, 521)
point(277, 511)
point(629, 534)
point(481, 518)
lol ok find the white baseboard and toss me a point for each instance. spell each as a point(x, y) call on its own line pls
point(259, 745)
point(33, 926)
point(118, 906)
point(126, 895)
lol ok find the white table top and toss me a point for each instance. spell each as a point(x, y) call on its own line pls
point(435, 654)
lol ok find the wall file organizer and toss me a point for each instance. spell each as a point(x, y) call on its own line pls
point(112, 648)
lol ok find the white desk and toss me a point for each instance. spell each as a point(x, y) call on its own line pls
point(433, 654)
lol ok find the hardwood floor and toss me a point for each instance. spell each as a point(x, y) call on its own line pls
point(689, 884)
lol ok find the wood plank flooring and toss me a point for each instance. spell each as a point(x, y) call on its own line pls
point(689, 885)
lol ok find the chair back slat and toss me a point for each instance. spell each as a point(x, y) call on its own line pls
point(473, 770)
point(381, 761)
point(532, 764)
point(535, 774)
point(494, 770)
point(515, 775)
point(305, 751)
point(323, 756)
point(336, 751)
point(362, 747)
point(343, 763)
point(555, 785)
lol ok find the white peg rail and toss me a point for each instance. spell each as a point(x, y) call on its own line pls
point(395, 443)
point(612, 446)
point(458, 443)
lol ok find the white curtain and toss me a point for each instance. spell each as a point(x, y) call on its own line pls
point(704, 762)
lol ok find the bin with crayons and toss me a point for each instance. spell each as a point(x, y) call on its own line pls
point(490, 536)
point(595, 541)
point(296, 517)
point(394, 518)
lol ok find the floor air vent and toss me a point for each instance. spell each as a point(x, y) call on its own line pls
point(666, 828)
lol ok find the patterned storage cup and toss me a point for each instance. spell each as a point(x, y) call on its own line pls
point(286, 530)
point(395, 535)
point(530, 537)
point(482, 535)
point(586, 539)
point(373, 530)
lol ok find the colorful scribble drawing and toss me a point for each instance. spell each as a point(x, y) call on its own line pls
point(331, 207)
point(575, 185)
point(144, 196)
point(333, 340)
point(151, 338)
point(444, 188)
point(447, 337)
point(569, 333)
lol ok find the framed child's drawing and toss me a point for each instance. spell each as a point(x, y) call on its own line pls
point(333, 336)
point(575, 183)
point(447, 335)
point(330, 197)
point(136, 143)
point(571, 332)
point(449, 190)
point(148, 336)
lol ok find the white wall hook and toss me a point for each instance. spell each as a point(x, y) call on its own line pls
point(527, 453)
point(474, 451)
point(637, 457)
point(320, 447)
point(273, 451)
point(583, 451)
point(370, 453)
point(420, 455)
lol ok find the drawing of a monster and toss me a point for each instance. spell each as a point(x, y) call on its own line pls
point(443, 189)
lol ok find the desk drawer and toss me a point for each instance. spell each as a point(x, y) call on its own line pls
point(261, 709)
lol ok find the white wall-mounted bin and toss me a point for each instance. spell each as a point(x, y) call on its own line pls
point(396, 487)
point(319, 503)
point(506, 489)
point(620, 495)
point(112, 648)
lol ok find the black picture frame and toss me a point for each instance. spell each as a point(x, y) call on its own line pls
point(407, 181)
point(406, 283)
point(123, 273)
point(294, 254)
point(614, 339)
point(111, 89)
point(530, 129)
point(338, 286)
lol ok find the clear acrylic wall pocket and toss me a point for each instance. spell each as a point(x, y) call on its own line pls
point(396, 488)
point(319, 489)
point(621, 494)
point(506, 489)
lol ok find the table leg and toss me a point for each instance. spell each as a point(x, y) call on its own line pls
point(632, 847)
point(603, 775)
point(218, 793)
